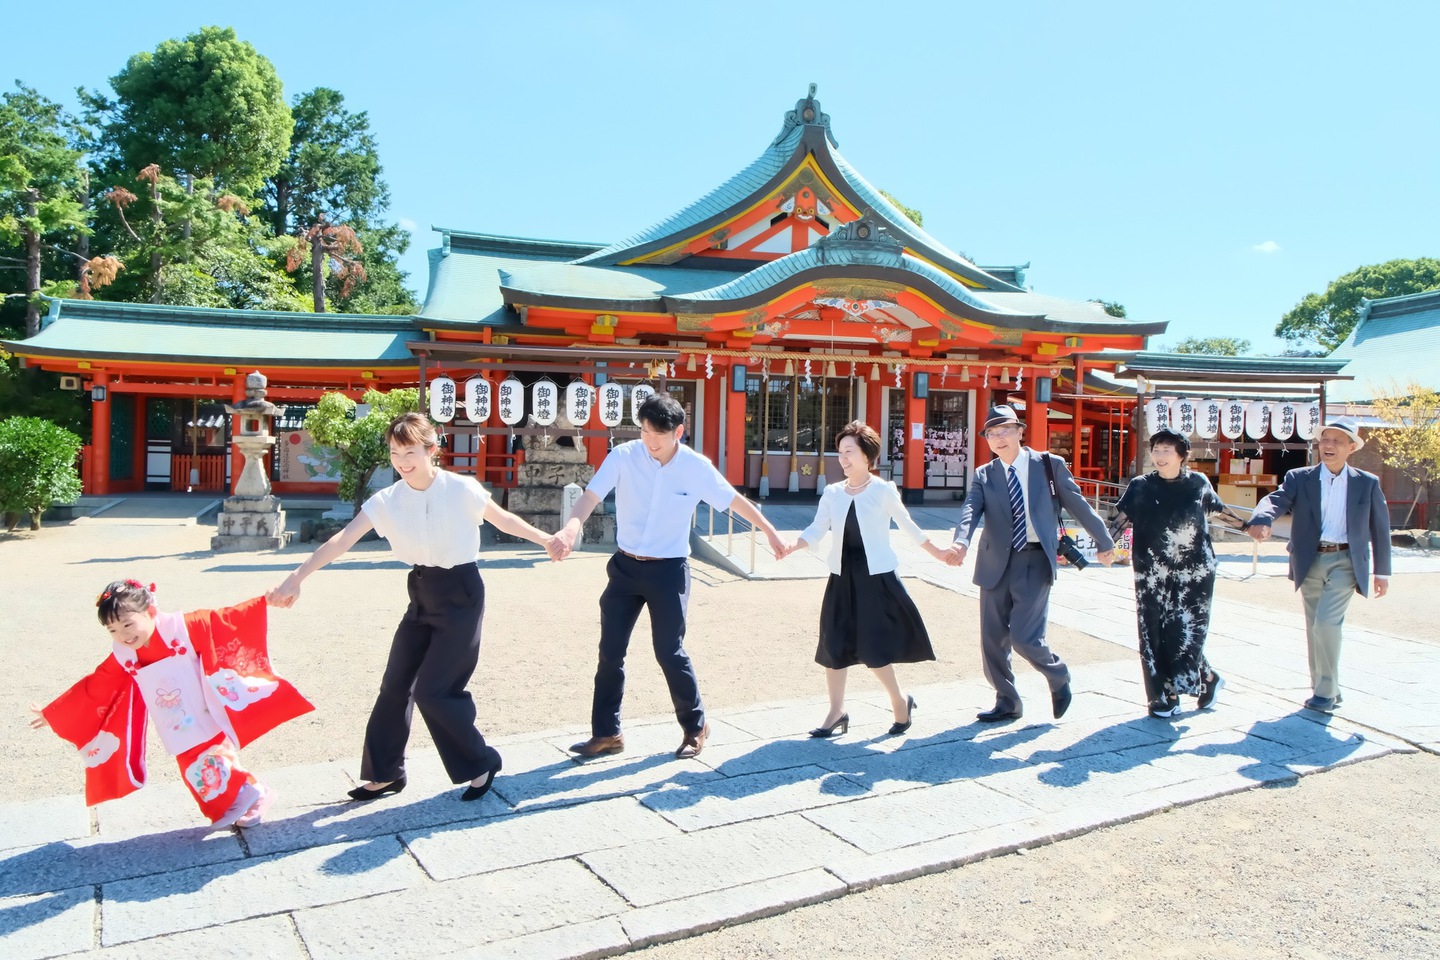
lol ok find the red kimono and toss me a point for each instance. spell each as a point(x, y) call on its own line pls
point(205, 679)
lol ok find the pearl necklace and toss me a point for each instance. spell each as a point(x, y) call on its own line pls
point(852, 489)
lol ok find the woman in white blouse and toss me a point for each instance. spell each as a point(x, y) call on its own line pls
point(866, 616)
point(432, 519)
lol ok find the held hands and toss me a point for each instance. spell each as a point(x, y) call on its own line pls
point(562, 543)
point(1106, 557)
point(942, 555)
point(1259, 532)
point(285, 595)
point(954, 555)
point(779, 547)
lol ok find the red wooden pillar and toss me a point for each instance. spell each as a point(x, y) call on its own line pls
point(237, 459)
point(1037, 417)
point(1079, 413)
point(736, 456)
point(875, 404)
point(714, 397)
point(100, 438)
point(914, 483)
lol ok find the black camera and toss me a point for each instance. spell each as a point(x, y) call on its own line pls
point(1070, 553)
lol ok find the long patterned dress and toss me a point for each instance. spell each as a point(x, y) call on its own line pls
point(1174, 577)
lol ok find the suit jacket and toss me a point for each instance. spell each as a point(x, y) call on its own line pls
point(988, 500)
point(1367, 521)
point(875, 507)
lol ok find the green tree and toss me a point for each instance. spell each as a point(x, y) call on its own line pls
point(37, 468)
point(1327, 319)
point(329, 195)
point(1114, 309)
point(915, 216)
point(360, 440)
point(41, 184)
point(208, 105)
point(1213, 346)
point(1411, 438)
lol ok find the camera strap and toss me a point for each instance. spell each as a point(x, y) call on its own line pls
point(1050, 479)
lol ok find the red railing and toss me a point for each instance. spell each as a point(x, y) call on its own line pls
point(212, 471)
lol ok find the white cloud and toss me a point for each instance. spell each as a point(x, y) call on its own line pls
point(1269, 246)
point(409, 225)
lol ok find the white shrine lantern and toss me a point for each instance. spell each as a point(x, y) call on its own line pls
point(544, 402)
point(612, 404)
point(1183, 414)
point(1283, 416)
point(579, 402)
point(477, 399)
point(1307, 423)
point(638, 395)
point(442, 399)
point(1257, 420)
point(510, 403)
point(1232, 419)
point(1207, 419)
point(1157, 416)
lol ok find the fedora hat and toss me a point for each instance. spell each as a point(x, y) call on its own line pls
point(1001, 415)
point(1347, 426)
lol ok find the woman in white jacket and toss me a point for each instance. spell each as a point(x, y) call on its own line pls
point(866, 616)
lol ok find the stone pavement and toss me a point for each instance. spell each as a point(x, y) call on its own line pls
point(568, 859)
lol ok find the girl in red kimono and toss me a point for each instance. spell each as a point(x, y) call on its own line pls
point(205, 679)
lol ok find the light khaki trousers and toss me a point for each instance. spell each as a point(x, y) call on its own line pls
point(1327, 590)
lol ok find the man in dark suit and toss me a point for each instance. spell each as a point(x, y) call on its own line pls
point(1016, 563)
point(1338, 518)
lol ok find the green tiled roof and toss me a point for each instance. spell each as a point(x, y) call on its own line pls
point(1396, 342)
point(1195, 366)
point(93, 328)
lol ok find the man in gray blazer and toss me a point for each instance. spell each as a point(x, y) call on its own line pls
point(1016, 563)
point(1338, 517)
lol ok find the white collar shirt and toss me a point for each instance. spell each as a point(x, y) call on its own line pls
point(435, 527)
point(654, 504)
point(1334, 487)
point(1022, 473)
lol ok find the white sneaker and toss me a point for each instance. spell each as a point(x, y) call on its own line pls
point(257, 810)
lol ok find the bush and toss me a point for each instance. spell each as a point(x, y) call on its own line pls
point(37, 468)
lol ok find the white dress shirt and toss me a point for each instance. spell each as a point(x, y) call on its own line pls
point(435, 527)
point(1022, 473)
point(1333, 490)
point(654, 503)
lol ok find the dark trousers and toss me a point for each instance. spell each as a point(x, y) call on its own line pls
point(432, 658)
point(1012, 616)
point(663, 586)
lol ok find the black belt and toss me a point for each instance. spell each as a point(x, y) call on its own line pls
point(1032, 546)
point(1332, 547)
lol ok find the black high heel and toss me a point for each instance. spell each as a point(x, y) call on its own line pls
point(834, 730)
point(898, 728)
point(394, 786)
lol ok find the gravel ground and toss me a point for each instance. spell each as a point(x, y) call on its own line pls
point(1341, 864)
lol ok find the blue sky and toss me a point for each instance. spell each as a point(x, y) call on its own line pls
point(1205, 164)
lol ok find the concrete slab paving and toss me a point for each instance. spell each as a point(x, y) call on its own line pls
point(48, 924)
point(31, 823)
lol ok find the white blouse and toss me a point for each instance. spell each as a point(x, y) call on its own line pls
point(875, 507)
point(435, 527)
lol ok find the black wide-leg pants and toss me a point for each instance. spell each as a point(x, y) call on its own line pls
point(664, 587)
point(432, 657)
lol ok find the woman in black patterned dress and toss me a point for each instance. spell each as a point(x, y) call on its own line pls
point(1168, 510)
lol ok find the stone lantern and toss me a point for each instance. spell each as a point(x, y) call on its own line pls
point(252, 518)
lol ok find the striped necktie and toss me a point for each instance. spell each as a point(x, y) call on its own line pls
point(1017, 510)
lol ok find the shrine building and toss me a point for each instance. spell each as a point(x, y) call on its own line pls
point(787, 301)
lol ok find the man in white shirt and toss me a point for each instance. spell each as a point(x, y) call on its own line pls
point(1338, 518)
point(658, 483)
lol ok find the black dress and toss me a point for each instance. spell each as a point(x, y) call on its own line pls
point(867, 619)
point(1174, 577)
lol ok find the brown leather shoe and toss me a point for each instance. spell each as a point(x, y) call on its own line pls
point(599, 746)
point(693, 744)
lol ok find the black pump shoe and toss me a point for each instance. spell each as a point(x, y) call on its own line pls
point(473, 792)
point(834, 730)
point(394, 786)
point(898, 728)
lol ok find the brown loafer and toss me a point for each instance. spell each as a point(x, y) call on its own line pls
point(599, 746)
point(693, 744)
